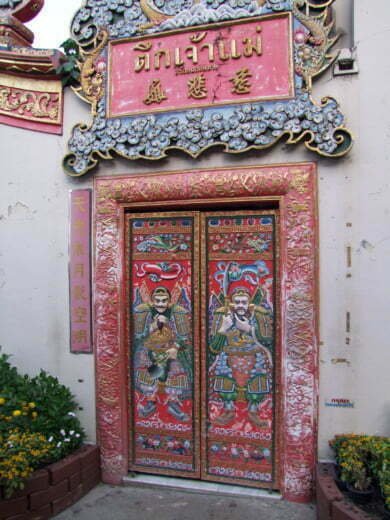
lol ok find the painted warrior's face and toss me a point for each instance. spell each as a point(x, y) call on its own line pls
point(240, 304)
point(160, 302)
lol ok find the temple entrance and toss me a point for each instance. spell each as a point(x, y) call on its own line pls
point(192, 409)
point(202, 292)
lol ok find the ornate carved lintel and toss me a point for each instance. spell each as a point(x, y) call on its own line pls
point(237, 127)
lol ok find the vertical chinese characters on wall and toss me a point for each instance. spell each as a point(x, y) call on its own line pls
point(80, 272)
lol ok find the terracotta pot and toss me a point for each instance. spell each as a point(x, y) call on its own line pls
point(360, 496)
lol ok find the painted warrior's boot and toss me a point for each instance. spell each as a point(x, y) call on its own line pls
point(176, 412)
point(227, 415)
point(253, 415)
point(148, 409)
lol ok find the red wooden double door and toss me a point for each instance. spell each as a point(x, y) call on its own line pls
point(203, 355)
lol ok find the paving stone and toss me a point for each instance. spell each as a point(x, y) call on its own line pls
point(133, 503)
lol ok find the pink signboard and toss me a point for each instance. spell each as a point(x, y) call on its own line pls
point(80, 271)
point(219, 64)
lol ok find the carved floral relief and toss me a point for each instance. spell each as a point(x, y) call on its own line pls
point(294, 186)
point(40, 106)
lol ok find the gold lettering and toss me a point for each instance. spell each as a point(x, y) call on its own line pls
point(142, 62)
point(233, 47)
point(79, 203)
point(210, 48)
point(78, 249)
point(197, 87)
point(178, 61)
point(79, 270)
point(250, 47)
point(240, 80)
point(80, 315)
point(222, 51)
point(192, 53)
point(143, 46)
point(79, 292)
point(80, 336)
point(167, 58)
point(198, 37)
point(156, 93)
point(78, 225)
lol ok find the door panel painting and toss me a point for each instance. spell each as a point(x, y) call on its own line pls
point(202, 326)
point(163, 351)
point(238, 354)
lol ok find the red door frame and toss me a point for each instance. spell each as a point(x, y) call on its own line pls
point(294, 188)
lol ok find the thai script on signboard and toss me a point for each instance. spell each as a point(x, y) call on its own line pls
point(213, 65)
point(219, 48)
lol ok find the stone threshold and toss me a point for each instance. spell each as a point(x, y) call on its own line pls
point(197, 486)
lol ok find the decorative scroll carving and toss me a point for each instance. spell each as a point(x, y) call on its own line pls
point(92, 73)
point(239, 128)
point(29, 105)
point(319, 126)
point(30, 88)
point(312, 43)
point(296, 187)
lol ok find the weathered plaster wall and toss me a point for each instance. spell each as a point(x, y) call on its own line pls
point(353, 211)
point(34, 315)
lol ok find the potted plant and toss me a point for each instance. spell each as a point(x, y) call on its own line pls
point(354, 456)
point(380, 466)
point(336, 444)
point(363, 464)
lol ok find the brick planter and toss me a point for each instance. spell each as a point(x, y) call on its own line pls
point(331, 504)
point(54, 488)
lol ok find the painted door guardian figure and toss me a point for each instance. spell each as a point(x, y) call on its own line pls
point(243, 365)
point(163, 362)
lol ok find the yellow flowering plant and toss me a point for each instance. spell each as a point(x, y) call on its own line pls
point(38, 424)
point(364, 460)
point(21, 453)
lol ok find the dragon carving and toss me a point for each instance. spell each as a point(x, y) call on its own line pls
point(92, 72)
point(312, 53)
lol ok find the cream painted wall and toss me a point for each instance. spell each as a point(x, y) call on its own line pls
point(34, 312)
point(34, 233)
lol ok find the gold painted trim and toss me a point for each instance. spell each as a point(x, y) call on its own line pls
point(21, 62)
point(35, 85)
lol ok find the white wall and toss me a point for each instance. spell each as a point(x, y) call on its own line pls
point(34, 306)
point(34, 226)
